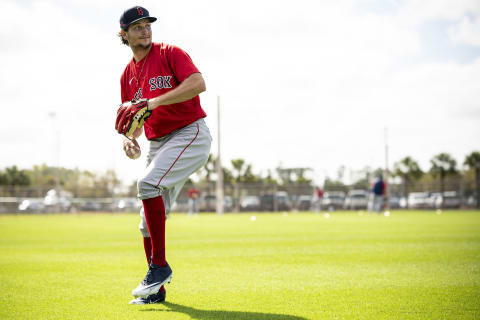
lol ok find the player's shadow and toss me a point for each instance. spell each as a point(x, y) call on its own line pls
point(199, 314)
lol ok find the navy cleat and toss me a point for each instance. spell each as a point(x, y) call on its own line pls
point(153, 298)
point(156, 277)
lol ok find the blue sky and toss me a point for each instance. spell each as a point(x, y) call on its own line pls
point(309, 84)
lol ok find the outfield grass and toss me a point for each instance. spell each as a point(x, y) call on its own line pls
point(411, 265)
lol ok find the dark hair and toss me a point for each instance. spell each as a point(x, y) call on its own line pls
point(125, 42)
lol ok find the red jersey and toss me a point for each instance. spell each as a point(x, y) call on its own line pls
point(163, 69)
point(319, 193)
point(193, 193)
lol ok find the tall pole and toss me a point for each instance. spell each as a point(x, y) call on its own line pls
point(387, 192)
point(219, 165)
point(56, 130)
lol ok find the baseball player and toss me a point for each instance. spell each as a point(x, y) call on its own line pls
point(193, 194)
point(160, 88)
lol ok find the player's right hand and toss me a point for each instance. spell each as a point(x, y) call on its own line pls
point(131, 148)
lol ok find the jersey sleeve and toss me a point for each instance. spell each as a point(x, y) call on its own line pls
point(181, 63)
point(123, 88)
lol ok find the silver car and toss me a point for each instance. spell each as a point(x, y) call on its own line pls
point(250, 203)
point(357, 199)
point(419, 200)
point(31, 205)
point(333, 200)
point(449, 200)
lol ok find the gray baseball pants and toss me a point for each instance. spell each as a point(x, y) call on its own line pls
point(170, 161)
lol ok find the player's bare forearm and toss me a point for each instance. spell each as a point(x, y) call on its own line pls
point(137, 133)
point(189, 88)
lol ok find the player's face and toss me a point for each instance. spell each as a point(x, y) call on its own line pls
point(139, 34)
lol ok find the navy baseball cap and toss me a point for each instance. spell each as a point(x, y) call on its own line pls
point(134, 14)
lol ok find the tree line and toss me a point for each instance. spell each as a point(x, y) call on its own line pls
point(444, 172)
point(35, 181)
point(84, 183)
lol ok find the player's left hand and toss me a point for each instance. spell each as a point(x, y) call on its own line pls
point(131, 116)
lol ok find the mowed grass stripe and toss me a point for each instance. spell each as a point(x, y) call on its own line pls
point(411, 265)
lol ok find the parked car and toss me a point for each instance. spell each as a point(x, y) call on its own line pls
point(357, 199)
point(227, 203)
point(61, 200)
point(304, 203)
point(396, 202)
point(419, 200)
point(250, 203)
point(208, 203)
point(127, 204)
point(180, 205)
point(267, 202)
point(449, 200)
point(333, 200)
point(90, 206)
point(31, 205)
point(471, 201)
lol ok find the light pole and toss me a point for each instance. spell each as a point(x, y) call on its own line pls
point(219, 165)
point(56, 132)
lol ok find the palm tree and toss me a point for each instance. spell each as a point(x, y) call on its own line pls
point(443, 165)
point(269, 180)
point(249, 176)
point(228, 178)
point(409, 170)
point(238, 166)
point(472, 161)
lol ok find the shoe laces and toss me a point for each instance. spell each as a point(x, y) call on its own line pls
point(148, 277)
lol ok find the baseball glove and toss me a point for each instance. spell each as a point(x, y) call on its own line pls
point(131, 116)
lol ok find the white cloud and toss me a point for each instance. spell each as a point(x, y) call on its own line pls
point(306, 84)
point(467, 31)
point(418, 11)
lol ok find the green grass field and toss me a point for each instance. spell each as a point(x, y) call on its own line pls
point(411, 265)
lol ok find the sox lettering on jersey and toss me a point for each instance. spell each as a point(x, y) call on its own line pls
point(138, 95)
point(158, 78)
point(160, 82)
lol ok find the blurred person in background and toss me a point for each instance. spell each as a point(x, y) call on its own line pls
point(319, 198)
point(193, 194)
point(377, 195)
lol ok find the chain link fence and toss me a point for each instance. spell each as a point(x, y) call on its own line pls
point(243, 197)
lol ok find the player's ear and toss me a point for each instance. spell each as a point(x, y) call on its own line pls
point(123, 34)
